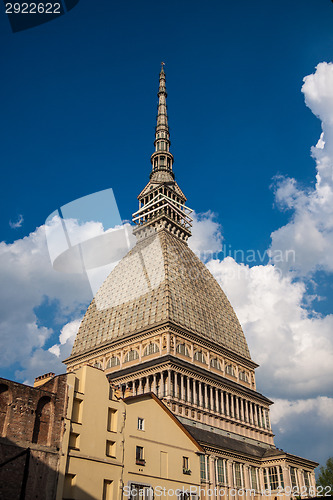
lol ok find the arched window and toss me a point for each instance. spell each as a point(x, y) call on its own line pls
point(243, 376)
point(229, 369)
point(42, 421)
point(151, 349)
point(98, 364)
point(4, 401)
point(215, 363)
point(114, 361)
point(199, 356)
point(131, 356)
point(182, 349)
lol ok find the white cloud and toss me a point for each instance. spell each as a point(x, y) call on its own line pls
point(293, 346)
point(27, 280)
point(304, 427)
point(18, 223)
point(207, 236)
point(310, 230)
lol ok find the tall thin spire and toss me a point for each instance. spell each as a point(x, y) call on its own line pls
point(162, 159)
point(162, 202)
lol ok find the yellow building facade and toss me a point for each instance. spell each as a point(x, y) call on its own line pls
point(115, 448)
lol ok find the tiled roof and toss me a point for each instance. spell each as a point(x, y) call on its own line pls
point(160, 280)
point(227, 443)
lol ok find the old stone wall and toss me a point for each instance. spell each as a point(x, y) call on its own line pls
point(31, 418)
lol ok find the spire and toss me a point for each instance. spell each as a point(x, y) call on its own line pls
point(162, 159)
point(162, 202)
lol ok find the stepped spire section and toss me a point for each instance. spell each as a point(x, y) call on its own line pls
point(162, 202)
point(162, 159)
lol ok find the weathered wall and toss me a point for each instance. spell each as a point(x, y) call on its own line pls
point(31, 418)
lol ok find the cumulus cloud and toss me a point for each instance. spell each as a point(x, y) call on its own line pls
point(28, 282)
point(306, 425)
point(293, 345)
point(310, 230)
point(207, 236)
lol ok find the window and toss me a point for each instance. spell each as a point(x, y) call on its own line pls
point(141, 424)
point(293, 477)
point(238, 475)
point(204, 468)
point(273, 477)
point(215, 363)
point(186, 466)
point(69, 485)
point(229, 369)
point(107, 489)
point(253, 478)
point(74, 441)
point(151, 349)
point(306, 480)
point(131, 356)
point(141, 492)
point(139, 457)
point(203, 475)
point(243, 376)
point(98, 364)
point(77, 410)
point(220, 471)
point(110, 448)
point(112, 420)
point(114, 361)
point(182, 349)
point(199, 356)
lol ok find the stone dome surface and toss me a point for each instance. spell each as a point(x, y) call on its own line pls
point(160, 280)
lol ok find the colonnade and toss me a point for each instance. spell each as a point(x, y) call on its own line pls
point(198, 394)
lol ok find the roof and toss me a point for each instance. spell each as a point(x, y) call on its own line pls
point(160, 280)
point(230, 444)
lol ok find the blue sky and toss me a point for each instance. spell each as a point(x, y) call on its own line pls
point(78, 107)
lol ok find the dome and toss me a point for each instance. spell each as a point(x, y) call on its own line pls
point(160, 281)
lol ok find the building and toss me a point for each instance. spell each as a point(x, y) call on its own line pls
point(31, 430)
point(115, 447)
point(160, 397)
point(161, 323)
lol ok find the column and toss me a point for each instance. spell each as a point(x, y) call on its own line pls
point(256, 415)
point(217, 402)
point(154, 383)
point(205, 396)
point(140, 386)
point(237, 407)
point(232, 408)
point(211, 399)
point(182, 391)
point(222, 403)
point(200, 394)
point(242, 410)
point(188, 390)
point(195, 400)
point(246, 410)
point(133, 387)
point(168, 343)
point(251, 413)
point(169, 382)
point(227, 403)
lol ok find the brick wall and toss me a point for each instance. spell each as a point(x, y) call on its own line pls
point(31, 418)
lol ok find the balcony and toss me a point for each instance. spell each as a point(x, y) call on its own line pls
point(140, 461)
point(186, 471)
